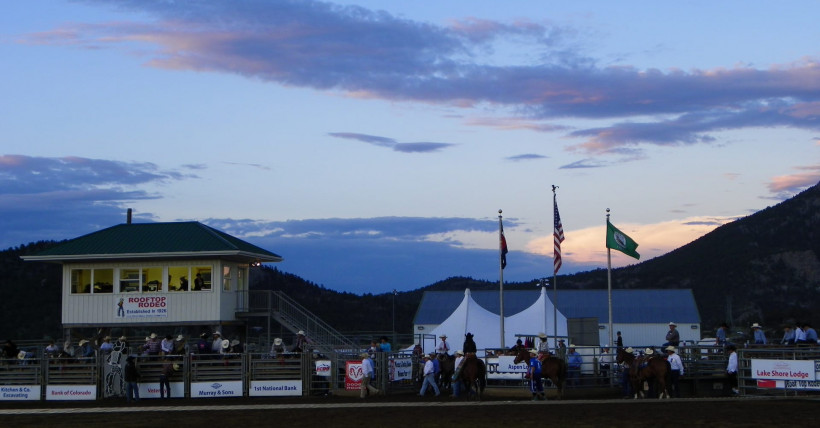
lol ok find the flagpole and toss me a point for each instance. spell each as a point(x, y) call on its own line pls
point(501, 278)
point(609, 282)
point(554, 283)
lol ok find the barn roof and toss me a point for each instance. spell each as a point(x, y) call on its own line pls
point(628, 306)
point(155, 240)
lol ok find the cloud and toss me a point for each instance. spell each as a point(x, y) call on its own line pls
point(374, 54)
point(791, 184)
point(526, 156)
point(60, 196)
point(419, 147)
point(586, 246)
point(584, 163)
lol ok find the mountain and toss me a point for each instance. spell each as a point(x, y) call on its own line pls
point(763, 268)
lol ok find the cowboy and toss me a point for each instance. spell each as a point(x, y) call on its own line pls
point(429, 376)
point(574, 362)
point(456, 375)
point(469, 344)
point(759, 336)
point(626, 385)
point(543, 345)
point(676, 365)
point(672, 336)
point(443, 347)
point(367, 374)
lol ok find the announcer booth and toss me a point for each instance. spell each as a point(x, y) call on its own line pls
point(139, 277)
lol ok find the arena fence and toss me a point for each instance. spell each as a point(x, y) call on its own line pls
point(302, 374)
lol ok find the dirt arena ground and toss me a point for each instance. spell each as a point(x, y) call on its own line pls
point(411, 411)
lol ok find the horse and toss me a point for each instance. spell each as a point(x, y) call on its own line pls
point(552, 368)
point(473, 374)
point(649, 368)
point(446, 363)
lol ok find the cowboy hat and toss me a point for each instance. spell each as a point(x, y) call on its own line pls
point(217, 333)
point(534, 351)
point(21, 355)
point(277, 341)
point(175, 367)
point(106, 338)
point(670, 348)
point(443, 336)
point(459, 352)
point(542, 335)
point(756, 325)
point(180, 338)
point(123, 338)
point(226, 343)
point(83, 342)
point(364, 355)
point(427, 356)
point(648, 351)
point(300, 333)
point(629, 350)
point(153, 336)
point(672, 323)
point(571, 346)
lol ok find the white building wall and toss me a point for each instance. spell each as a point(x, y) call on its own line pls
point(216, 305)
point(649, 334)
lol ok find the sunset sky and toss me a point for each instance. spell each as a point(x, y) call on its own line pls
point(372, 143)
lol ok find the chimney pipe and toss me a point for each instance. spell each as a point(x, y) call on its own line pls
point(129, 216)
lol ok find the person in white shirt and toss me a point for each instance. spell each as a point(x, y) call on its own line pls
point(367, 375)
point(676, 365)
point(605, 364)
point(429, 377)
point(443, 347)
point(456, 377)
point(731, 368)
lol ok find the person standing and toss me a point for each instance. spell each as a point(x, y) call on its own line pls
point(385, 346)
point(429, 377)
point(731, 369)
point(672, 336)
point(456, 381)
point(619, 341)
point(721, 334)
point(605, 364)
point(168, 370)
point(626, 384)
point(443, 347)
point(534, 373)
point(574, 362)
point(131, 377)
point(676, 365)
point(759, 336)
point(368, 373)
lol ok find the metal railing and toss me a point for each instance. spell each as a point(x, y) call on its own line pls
point(294, 317)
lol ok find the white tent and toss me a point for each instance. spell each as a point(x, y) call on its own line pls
point(470, 317)
point(536, 319)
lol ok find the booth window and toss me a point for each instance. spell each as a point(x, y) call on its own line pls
point(129, 280)
point(202, 278)
point(152, 279)
point(103, 281)
point(80, 281)
point(179, 278)
point(226, 278)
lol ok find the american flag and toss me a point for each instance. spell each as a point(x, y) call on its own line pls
point(558, 236)
point(503, 244)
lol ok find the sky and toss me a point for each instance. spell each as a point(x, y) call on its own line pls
point(372, 144)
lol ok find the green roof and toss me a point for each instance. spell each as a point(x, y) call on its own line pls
point(155, 240)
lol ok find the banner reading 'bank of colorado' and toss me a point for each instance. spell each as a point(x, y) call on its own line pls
point(140, 306)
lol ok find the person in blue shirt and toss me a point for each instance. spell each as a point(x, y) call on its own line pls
point(759, 336)
point(721, 334)
point(788, 336)
point(574, 362)
point(534, 372)
point(811, 334)
point(385, 345)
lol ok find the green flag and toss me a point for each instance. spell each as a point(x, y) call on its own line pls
point(617, 240)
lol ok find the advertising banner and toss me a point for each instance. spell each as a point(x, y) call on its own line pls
point(401, 369)
point(151, 390)
point(71, 392)
point(503, 368)
point(275, 388)
point(216, 389)
point(323, 368)
point(140, 306)
point(353, 375)
point(20, 392)
point(802, 370)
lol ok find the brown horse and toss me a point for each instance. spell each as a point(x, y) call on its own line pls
point(649, 368)
point(552, 368)
point(446, 365)
point(473, 374)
